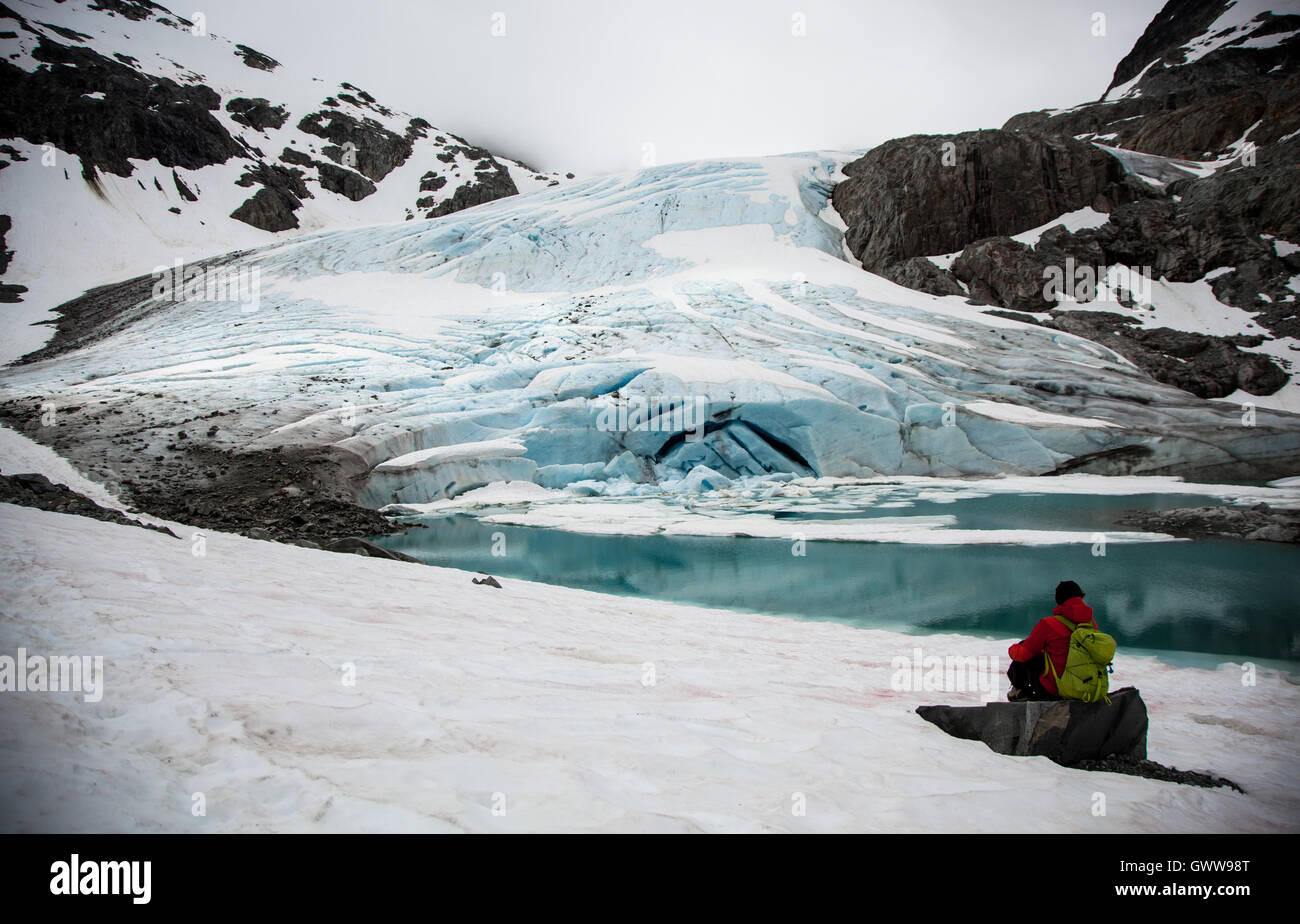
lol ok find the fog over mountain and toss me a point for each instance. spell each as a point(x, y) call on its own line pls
point(584, 85)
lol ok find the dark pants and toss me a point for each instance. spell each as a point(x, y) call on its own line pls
point(1024, 676)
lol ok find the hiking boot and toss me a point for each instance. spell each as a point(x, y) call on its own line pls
point(1017, 695)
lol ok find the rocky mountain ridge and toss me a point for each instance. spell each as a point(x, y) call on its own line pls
point(1184, 172)
point(141, 125)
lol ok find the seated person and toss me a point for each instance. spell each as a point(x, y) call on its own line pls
point(1029, 676)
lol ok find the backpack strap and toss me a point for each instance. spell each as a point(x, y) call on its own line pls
point(1047, 658)
point(1051, 668)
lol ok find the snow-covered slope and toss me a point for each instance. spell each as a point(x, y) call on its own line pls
point(133, 137)
point(682, 325)
point(536, 708)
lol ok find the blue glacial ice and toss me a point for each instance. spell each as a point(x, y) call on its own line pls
point(685, 326)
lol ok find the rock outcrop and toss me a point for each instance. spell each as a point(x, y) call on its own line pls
point(271, 209)
point(343, 181)
point(1204, 365)
point(256, 113)
point(1000, 271)
point(254, 58)
point(34, 490)
point(1189, 90)
point(1260, 522)
point(491, 180)
point(489, 183)
point(8, 293)
point(1194, 86)
point(1227, 221)
point(362, 143)
point(77, 103)
point(933, 194)
point(135, 117)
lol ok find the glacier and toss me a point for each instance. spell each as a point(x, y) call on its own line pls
point(491, 345)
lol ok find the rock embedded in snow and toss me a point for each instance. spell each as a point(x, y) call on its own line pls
point(921, 274)
point(1204, 365)
point(140, 117)
point(1066, 731)
point(257, 113)
point(359, 546)
point(1001, 271)
point(252, 57)
point(30, 489)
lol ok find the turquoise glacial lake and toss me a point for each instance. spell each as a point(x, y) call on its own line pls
point(1232, 600)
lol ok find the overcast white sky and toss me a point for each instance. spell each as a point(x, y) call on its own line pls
point(584, 85)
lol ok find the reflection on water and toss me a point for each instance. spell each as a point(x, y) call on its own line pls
point(1221, 597)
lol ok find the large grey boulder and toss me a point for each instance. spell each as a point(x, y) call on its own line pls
point(1067, 731)
point(1000, 271)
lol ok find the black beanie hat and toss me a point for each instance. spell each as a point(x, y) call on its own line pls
point(1067, 589)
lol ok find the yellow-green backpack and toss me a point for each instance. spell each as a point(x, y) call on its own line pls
point(1087, 666)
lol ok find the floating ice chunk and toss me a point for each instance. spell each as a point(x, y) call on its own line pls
point(621, 487)
point(655, 516)
point(561, 475)
point(629, 466)
point(703, 478)
point(586, 488)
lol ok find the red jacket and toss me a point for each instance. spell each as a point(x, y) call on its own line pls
point(1051, 636)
